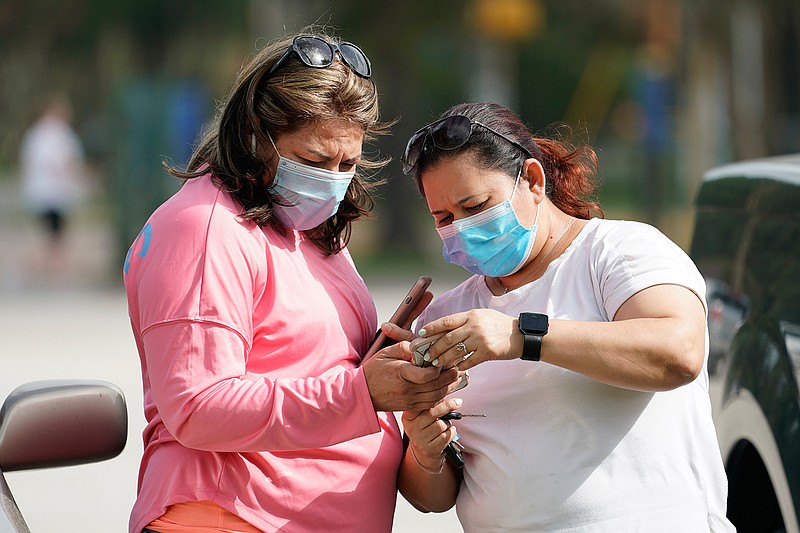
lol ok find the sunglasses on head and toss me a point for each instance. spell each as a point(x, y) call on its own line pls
point(446, 134)
point(316, 52)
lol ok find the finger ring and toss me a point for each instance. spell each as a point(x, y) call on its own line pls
point(460, 347)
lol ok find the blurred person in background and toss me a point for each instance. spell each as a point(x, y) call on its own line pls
point(251, 320)
point(585, 340)
point(52, 173)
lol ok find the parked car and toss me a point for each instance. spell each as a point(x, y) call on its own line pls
point(747, 245)
point(46, 424)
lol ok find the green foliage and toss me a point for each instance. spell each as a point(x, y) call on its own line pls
point(425, 55)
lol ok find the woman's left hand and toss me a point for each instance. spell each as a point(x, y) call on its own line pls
point(483, 334)
point(397, 333)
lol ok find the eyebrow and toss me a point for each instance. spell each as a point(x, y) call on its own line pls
point(458, 203)
point(325, 157)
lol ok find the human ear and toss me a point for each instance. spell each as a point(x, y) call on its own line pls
point(533, 173)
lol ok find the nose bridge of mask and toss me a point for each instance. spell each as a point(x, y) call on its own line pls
point(498, 211)
point(314, 173)
point(308, 171)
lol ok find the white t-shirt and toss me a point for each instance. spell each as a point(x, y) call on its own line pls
point(559, 451)
point(51, 158)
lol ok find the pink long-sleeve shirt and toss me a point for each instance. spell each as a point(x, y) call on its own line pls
point(250, 344)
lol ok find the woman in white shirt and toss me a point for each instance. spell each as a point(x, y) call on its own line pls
point(585, 339)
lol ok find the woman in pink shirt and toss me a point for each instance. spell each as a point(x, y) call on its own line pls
point(251, 320)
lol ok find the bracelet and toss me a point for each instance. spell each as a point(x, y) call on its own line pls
point(423, 467)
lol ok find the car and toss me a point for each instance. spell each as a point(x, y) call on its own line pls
point(45, 424)
point(746, 244)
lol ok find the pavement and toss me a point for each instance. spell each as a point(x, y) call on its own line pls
point(74, 324)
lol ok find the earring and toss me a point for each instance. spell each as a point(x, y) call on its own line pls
point(253, 143)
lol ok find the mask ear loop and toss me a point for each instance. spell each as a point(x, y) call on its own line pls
point(536, 218)
point(273, 144)
point(516, 183)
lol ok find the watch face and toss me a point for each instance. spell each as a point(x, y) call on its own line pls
point(533, 323)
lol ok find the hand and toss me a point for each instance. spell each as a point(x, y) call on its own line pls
point(396, 332)
point(397, 385)
point(484, 334)
point(428, 434)
point(401, 330)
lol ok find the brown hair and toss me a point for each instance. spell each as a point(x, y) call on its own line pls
point(570, 171)
point(293, 97)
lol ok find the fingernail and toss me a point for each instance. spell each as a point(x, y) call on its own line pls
point(427, 357)
point(435, 362)
point(422, 333)
point(458, 401)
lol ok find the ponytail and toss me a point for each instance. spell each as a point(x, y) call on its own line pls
point(571, 174)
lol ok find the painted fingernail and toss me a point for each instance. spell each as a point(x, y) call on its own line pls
point(458, 401)
point(435, 362)
point(422, 333)
point(427, 357)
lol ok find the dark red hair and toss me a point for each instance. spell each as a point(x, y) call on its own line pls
point(570, 171)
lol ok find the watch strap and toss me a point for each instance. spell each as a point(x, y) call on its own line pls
point(532, 347)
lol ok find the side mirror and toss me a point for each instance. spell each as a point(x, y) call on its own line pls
point(61, 423)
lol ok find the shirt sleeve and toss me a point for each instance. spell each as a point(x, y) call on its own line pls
point(207, 399)
point(634, 256)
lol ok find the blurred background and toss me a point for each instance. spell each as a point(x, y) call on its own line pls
point(663, 89)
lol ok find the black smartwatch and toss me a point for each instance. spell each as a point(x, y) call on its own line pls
point(533, 327)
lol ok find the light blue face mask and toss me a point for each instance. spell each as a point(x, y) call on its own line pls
point(491, 243)
point(314, 194)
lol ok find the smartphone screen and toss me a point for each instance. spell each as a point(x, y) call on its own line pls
point(401, 314)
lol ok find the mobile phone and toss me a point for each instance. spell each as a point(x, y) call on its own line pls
point(401, 314)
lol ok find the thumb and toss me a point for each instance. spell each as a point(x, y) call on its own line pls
point(395, 332)
point(400, 350)
point(419, 375)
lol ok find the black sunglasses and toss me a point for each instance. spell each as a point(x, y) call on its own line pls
point(316, 52)
point(446, 134)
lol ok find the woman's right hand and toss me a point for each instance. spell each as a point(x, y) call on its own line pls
point(428, 434)
point(396, 385)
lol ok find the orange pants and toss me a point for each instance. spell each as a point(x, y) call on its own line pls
point(200, 517)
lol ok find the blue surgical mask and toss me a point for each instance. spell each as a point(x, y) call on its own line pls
point(314, 194)
point(491, 243)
